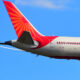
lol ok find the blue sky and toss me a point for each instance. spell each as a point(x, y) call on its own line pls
point(50, 17)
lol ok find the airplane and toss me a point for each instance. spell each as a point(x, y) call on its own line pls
point(30, 40)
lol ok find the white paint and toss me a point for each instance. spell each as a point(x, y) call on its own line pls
point(54, 49)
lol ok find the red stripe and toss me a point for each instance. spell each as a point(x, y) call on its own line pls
point(45, 40)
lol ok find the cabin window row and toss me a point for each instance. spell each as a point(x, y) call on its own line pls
point(69, 43)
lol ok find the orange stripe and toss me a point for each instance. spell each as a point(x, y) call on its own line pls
point(17, 24)
point(20, 18)
point(17, 28)
point(20, 21)
point(21, 29)
point(13, 14)
point(16, 11)
point(16, 21)
point(25, 27)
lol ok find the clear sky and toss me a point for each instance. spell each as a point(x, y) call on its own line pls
point(50, 17)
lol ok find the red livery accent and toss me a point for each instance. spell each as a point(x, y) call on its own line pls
point(45, 40)
point(28, 36)
point(19, 21)
point(21, 24)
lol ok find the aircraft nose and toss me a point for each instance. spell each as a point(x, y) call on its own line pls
point(8, 43)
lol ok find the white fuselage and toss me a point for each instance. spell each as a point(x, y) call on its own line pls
point(61, 46)
point(51, 46)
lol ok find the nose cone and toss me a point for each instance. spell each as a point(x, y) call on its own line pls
point(8, 43)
